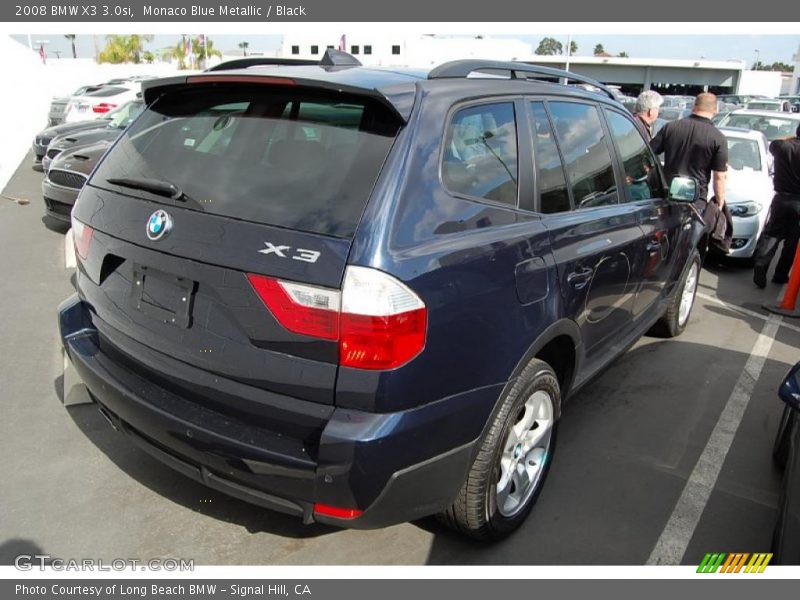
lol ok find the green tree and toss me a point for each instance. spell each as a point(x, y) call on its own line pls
point(71, 38)
point(148, 57)
point(178, 52)
point(573, 47)
point(623, 54)
point(123, 48)
point(201, 54)
point(244, 46)
point(598, 49)
point(549, 47)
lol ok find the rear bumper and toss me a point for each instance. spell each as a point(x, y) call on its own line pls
point(58, 200)
point(394, 467)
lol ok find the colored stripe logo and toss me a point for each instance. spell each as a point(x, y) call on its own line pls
point(734, 563)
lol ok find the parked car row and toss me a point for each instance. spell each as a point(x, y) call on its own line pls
point(94, 101)
point(67, 154)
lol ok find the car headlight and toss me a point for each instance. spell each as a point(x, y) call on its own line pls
point(744, 209)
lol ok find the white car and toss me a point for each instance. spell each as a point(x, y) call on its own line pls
point(96, 104)
point(771, 105)
point(773, 125)
point(749, 187)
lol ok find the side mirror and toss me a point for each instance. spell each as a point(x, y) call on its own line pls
point(683, 189)
point(789, 391)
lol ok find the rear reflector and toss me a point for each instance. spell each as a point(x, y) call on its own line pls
point(338, 513)
point(82, 234)
point(378, 321)
point(103, 107)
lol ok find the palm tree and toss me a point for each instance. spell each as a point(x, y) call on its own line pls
point(244, 46)
point(123, 48)
point(178, 52)
point(71, 38)
point(203, 54)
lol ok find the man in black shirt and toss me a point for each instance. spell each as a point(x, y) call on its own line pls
point(694, 147)
point(784, 214)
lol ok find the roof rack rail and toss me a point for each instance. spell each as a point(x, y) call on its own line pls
point(458, 69)
point(255, 61)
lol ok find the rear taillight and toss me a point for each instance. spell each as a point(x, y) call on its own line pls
point(300, 308)
point(82, 235)
point(103, 107)
point(378, 321)
point(383, 322)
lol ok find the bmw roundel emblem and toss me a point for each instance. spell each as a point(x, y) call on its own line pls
point(158, 225)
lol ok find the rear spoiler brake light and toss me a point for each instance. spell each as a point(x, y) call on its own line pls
point(240, 79)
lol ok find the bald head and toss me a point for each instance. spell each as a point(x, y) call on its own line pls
point(705, 103)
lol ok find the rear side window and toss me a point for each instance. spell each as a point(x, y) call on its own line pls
point(295, 158)
point(641, 175)
point(480, 158)
point(552, 184)
point(586, 154)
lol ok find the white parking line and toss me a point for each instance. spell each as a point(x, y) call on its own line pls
point(671, 545)
point(69, 250)
point(746, 311)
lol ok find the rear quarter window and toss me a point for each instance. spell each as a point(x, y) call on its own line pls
point(480, 154)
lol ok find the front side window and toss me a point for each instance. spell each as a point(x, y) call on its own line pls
point(586, 154)
point(550, 179)
point(480, 158)
point(641, 173)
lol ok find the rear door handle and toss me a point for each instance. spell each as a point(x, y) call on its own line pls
point(578, 279)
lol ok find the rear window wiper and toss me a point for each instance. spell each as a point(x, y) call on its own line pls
point(154, 186)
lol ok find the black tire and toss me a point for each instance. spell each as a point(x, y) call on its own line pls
point(670, 324)
point(780, 449)
point(475, 512)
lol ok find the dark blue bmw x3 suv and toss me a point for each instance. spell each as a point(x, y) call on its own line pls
point(360, 296)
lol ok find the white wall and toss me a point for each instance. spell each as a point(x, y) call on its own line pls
point(767, 83)
point(30, 85)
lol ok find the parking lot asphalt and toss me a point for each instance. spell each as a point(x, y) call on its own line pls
point(628, 444)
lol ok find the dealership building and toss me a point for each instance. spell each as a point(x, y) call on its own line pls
point(668, 76)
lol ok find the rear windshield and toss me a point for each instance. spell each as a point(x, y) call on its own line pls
point(106, 92)
point(772, 127)
point(297, 158)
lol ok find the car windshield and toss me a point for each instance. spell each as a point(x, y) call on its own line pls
point(772, 127)
point(743, 154)
point(304, 160)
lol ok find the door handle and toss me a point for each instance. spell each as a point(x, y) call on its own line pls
point(653, 246)
point(578, 279)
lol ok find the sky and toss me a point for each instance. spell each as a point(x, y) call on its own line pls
point(771, 48)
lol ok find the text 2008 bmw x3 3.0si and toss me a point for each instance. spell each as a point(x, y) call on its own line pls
point(360, 296)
